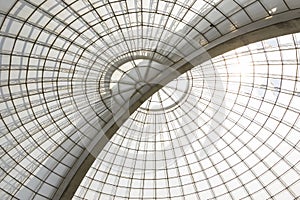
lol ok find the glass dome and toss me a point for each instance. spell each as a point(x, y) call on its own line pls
point(149, 99)
point(170, 153)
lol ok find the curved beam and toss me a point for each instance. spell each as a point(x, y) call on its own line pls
point(281, 24)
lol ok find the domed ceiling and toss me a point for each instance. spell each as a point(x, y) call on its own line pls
point(149, 99)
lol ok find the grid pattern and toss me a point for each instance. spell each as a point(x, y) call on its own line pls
point(158, 154)
point(57, 60)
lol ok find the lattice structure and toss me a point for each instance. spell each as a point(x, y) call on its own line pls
point(162, 154)
point(60, 61)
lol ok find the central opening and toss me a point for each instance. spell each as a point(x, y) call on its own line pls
point(168, 96)
point(124, 69)
point(133, 76)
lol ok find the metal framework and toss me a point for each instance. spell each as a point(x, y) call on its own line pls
point(65, 66)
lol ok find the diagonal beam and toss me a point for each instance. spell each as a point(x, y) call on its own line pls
point(281, 24)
